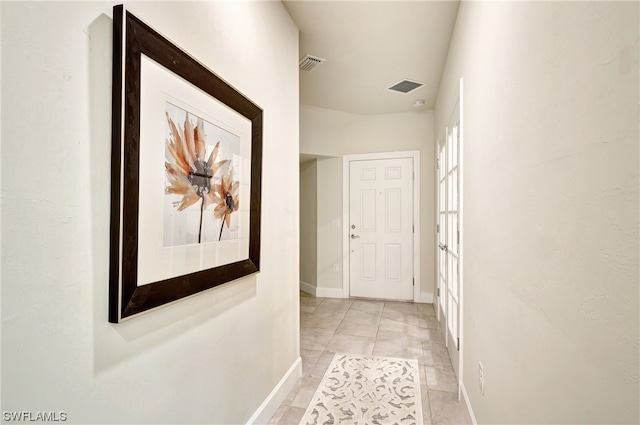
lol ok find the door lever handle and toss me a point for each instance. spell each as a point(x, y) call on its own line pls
point(443, 247)
point(354, 236)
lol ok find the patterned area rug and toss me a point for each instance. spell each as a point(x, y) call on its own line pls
point(365, 390)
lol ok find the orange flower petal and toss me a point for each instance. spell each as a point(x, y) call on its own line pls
point(198, 136)
point(178, 189)
point(175, 147)
point(219, 214)
point(187, 201)
point(188, 141)
point(177, 155)
point(213, 156)
point(216, 166)
point(212, 198)
point(220, 189)
point(176, 140)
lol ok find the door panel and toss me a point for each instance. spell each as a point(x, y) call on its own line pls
point(368, 210)
point(393, 265)
point(452, 251)
point(368, 261)
point(449, 237)
point(381, 228)
point(393, 205)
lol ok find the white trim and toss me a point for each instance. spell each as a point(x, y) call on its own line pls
point(423, 297)
point(417, 233)
point(461, 242)
point(330, 293)
point(460, 164)
point(308, 288)
point(436, 214)
point(345, 227)
point(468, 403)
point(279, 393)
point(415, 155)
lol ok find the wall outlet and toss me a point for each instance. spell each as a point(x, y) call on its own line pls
point(481, 377)
point(334, 268)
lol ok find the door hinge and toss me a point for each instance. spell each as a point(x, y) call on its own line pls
point(414, 228)
point(458, 344)
point(414, 281)
point(458, 237)
point(438, 292)
point(438, 163)
point(437, 228)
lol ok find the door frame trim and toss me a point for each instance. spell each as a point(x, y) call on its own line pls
point(460, 104)
point(346, 159)
point(462, 234)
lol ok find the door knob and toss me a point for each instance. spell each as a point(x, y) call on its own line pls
point(443, 247)
point(354, 236)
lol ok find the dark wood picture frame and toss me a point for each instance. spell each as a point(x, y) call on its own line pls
point(131, 39)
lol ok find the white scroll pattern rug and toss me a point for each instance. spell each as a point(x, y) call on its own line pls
point(365, 390)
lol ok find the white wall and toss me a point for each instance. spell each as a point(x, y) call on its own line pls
point(329, 239)
point(309, 224)
point(551, 208)
point(334, 133)
point(213, 358)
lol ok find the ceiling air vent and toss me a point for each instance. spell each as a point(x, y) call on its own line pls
point(309, 63)
point(405, 86)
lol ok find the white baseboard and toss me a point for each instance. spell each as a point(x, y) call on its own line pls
point(308, 288)
point(321, 292)
point(329, 292)
point(422, 297)
point(269, 406)
point(339, 293)
point(468, 403)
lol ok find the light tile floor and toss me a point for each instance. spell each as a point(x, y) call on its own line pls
point(379, 328)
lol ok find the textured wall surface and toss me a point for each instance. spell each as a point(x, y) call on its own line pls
point(213, 358)
point(309, 222)
point(551, 208)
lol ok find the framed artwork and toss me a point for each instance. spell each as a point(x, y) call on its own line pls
point(186, 167)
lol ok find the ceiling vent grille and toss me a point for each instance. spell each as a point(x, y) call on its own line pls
point(309, 63)
point(405, 86)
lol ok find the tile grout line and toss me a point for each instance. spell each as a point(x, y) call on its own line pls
point(401, 312)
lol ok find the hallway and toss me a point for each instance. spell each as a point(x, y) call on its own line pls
point(378, 328)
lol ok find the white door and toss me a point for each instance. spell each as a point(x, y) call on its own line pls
point(448, 229)
point(381, 229)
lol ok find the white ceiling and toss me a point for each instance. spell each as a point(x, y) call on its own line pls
point(369, 46)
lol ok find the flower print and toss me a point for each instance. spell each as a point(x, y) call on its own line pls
point(227, 199)
point(188, 171)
